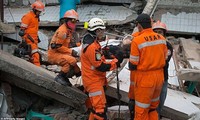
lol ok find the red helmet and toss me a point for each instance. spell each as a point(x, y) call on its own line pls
point(38, 5)
point(159, 25)
point(71, 14)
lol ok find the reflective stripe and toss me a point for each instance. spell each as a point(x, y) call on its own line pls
point(24, 25)
point(95, 93)
point(134, 58)
point(92, 67)
point(142, 105)
point(155, 99)
point(151, 43)
point(64, 36)
point(34, 51)
point(132, 83)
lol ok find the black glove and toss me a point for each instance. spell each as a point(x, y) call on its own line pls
point(75, 53)
point(119, 56)
point(113, 49)
point(21, 32)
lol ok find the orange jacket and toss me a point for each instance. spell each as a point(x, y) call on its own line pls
point(148, 51)
point(30, 23)
point(94, 66)
point(61, 38)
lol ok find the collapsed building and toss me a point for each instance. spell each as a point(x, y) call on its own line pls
point(17, 75)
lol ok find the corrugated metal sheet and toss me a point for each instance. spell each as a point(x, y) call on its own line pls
point(180, 15)
point(183, 22)
point(47, 2)
point(86, 12)
point(105, 12)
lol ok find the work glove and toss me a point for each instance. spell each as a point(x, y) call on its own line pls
point(75, 53)
point(113, 64)
point(117, 52)
point(119, 55)
point(113, 49)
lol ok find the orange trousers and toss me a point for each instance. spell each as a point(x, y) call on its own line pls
point(35, 56)
point(35, 59)
point(147, 90)
point(131, 87)
point(64, 60)
point(96, 102)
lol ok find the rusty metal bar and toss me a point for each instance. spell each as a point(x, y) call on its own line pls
point(1, 39)
point(2, 10)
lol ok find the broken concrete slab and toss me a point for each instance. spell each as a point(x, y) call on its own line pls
point(7, 28)
point(180, 105)
point(189, 74)
point(39, 81)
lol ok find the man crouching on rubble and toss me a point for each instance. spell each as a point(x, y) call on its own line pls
point(94, 67)
point(59, 52)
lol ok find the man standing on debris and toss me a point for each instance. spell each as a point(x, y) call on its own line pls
point(59, 52)
point(147, 59)
point(94, 67)
point(161, 28)
point(29, 30)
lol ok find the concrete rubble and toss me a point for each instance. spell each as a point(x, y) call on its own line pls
point(26, 87)
point(25, 75)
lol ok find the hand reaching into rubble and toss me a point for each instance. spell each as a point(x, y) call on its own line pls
point(127, 40)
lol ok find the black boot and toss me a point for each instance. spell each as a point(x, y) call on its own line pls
point(60, 78)
point(78, 74)
point(70, 73)
point(68, 82)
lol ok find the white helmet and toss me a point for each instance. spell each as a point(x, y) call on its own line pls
point(96, 23)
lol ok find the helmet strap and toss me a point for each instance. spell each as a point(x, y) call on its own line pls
point(34, 11)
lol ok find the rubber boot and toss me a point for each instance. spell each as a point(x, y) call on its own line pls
point(68, 82)
point(60, 78)
point(78, 74)
point(70, 74)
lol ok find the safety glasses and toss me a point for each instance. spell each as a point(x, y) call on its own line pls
point(74, 20)
point(159, 31)
point(100, 30)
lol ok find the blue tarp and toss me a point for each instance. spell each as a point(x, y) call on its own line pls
point(67, 5)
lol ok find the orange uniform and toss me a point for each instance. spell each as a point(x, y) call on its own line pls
point(131, 88)
point(94, 67)
point(61, 54)
point(30, 25)
point(147, 59)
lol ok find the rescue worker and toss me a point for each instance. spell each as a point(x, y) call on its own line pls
point(147, 59)
point(29, 30)
point(59, 52)
point(127, 41)
point(161, 28)
point(94, 67)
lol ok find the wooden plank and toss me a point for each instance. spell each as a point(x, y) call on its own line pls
point(38, 80)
